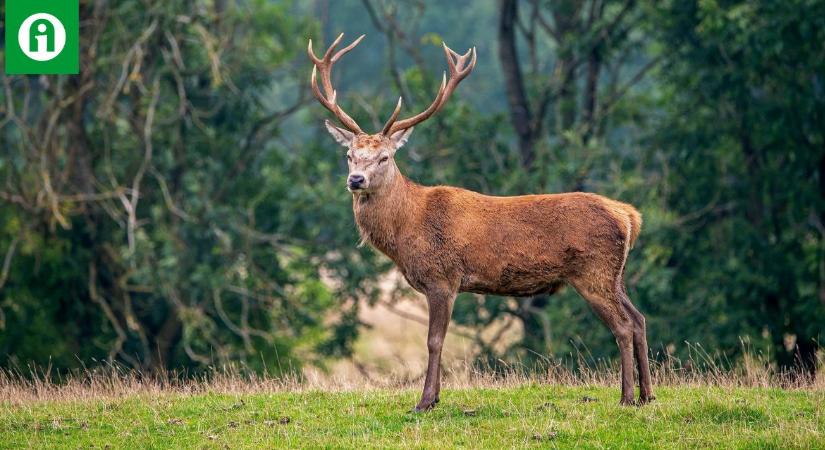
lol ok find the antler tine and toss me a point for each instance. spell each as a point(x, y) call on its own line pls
point(459, 69)
point(332, 46)
point(394, 116)
point(457, 66)
point(325, 66)
point(311, 53)
point(346, 49)
point(422, 116)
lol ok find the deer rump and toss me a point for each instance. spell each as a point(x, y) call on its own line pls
point(517, 246)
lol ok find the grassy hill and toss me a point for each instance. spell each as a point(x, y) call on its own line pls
point(530, 415)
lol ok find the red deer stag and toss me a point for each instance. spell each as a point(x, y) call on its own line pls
point(447, 240)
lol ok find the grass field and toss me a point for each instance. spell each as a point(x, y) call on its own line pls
point(530, 415)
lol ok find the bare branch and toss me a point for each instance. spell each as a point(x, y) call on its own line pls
point(117, 346)
point(4, 274)
point(613, 100)
point(131, 205)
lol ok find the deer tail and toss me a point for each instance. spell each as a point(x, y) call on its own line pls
point(629, 218)
point(635, 223)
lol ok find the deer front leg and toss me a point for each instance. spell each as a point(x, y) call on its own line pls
point(440, 304)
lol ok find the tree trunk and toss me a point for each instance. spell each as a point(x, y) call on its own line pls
point(167, 337)
point(520, 114)
point(591, 91)
point(535, 340)
point(805, 356)
point(566, 16)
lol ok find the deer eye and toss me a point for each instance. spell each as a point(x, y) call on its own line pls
point(383, 159)
point(349, 158)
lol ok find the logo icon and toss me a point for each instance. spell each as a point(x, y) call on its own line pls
point(41, 37)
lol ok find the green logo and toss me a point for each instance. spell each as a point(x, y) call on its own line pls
point(42, 37)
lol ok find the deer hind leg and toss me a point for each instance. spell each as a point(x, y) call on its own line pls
point(639, 345)
point(604, 303)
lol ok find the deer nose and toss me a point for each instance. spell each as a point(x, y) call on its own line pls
point(355, 181)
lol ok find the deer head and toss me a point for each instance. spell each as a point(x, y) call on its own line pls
point(371, 157)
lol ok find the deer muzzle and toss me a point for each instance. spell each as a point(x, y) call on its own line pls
point(356, 182)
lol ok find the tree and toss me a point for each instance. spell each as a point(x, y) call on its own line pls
point(744, 139)
point(148, 214)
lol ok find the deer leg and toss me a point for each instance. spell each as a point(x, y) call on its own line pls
point(618, 320)
point(441, 307)
point(622, 329)
point(640, 346)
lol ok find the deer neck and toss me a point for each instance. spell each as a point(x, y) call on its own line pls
point(382, 216)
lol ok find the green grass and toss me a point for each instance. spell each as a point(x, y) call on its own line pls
point(527, 416)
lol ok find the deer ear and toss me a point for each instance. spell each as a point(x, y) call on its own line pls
point(399, 138)
point(344, 137)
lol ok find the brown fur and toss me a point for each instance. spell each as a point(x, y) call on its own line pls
point(447, 240)
point(499, 245)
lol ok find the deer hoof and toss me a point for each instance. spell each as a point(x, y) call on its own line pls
point(628, 402)
point(645, 399)
point(424, 405)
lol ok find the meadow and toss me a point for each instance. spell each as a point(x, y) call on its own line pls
point(236, 412)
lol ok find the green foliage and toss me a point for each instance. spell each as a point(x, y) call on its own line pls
point(166, 224)
point(744, 134)
point(239, 244)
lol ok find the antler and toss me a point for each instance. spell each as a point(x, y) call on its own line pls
point(324, 65)
point(458, 72)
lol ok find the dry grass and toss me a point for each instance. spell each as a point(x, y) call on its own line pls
point(115, 381)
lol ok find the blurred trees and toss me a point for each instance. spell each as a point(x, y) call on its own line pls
point(152, 215)
point(744, 138)
point(177, 204)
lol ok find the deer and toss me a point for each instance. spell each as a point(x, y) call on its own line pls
point(446, 240)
